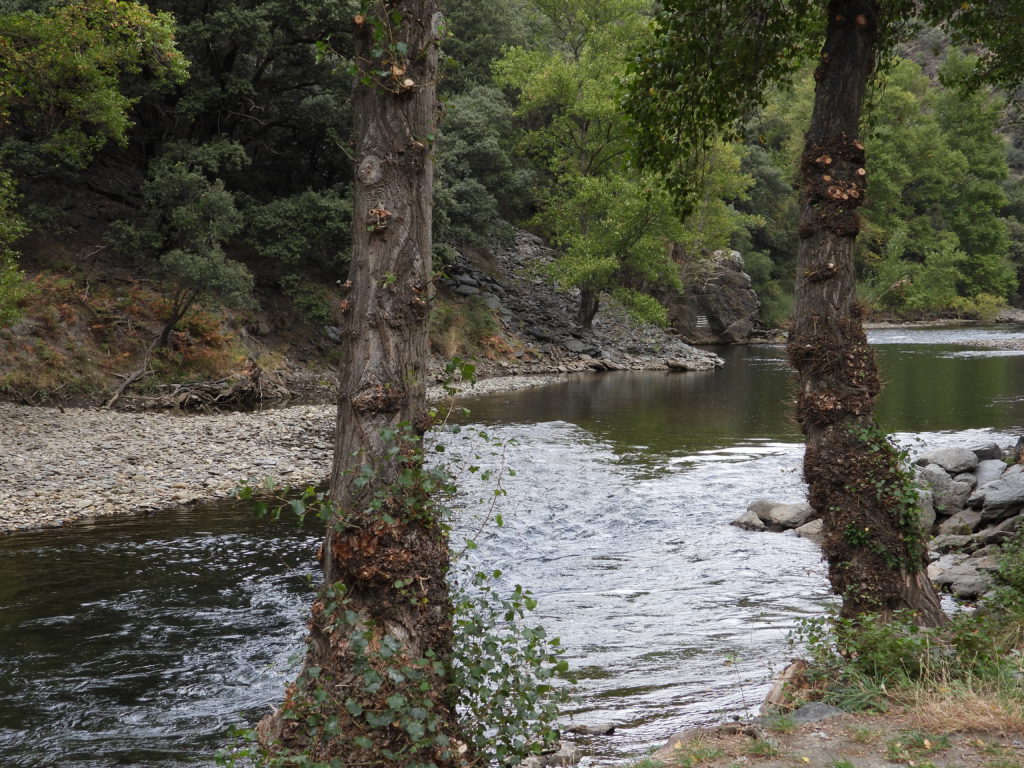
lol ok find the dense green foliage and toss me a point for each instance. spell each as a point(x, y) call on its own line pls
point(939, 238)
point(614, 226)
point(532, 134)
point(63, 73)
point(12, 287)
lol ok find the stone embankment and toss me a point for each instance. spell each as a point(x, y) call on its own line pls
point(972, 501)
point(76, 465)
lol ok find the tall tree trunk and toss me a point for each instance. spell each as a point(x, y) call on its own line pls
point(590, 299)
point(873, 540)
point(374, 689)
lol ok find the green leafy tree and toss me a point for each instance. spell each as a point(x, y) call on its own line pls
point(62, 73)
point(188, 217)
point(614, 233)
point(615, 226)
point(477, 35)
point(479, 188)
point(938, 165)
point(64, 95)
point(972, 122)
point(709, 66)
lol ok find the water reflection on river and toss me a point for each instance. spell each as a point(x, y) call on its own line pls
point(136, 642)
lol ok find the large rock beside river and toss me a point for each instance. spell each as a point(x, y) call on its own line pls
point(718, 304)
point(953, 460)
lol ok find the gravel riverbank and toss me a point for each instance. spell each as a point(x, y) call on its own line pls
point(77, 465)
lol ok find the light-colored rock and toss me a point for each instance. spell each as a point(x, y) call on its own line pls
point(749, 521)
point(969, 478)
point(814, 530)
point(953, 460)
point(952, 543)
point(950, 495)
point(761, 507)
point(1003, 497)
point(965, 580)
point(790, 515)
point(989, 470)
point(962, 523)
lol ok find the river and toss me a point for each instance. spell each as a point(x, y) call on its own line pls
point(138, 642)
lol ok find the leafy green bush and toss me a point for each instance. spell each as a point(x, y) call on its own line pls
point(307, 297)
point(187, 217)
point(12, 282)
point(312, 228)
point(984, 307)
point(863, 663)
point(504, 672)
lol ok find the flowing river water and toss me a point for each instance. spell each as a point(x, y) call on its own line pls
point(139, 642)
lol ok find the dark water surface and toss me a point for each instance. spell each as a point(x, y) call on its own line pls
point(138, 642)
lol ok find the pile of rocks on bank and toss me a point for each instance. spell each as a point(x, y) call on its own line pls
point(972, 500)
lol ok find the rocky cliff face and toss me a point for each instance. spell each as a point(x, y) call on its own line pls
point(718, 306)
point(538, 320)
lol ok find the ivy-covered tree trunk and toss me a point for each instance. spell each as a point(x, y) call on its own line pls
point(374, 687)
point(873, 540)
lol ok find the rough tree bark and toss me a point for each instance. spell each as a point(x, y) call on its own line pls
point(380, 629)
point(872, 542)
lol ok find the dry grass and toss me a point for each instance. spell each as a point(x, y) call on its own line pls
point(961, 707)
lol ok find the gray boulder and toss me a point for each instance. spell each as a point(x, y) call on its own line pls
point(749, 521)
point(950, 495)
point(814, 530)
point(944, 563)
point(790, 515)
point(965, 580)
point(718, 305)
point(949, 542)
point(988, 451)
point(966, 477)
point(953, 460)
point(962, 523)
point(581, 347)
point(1000, 532)
point(761, 507)
point(1003, 497)
point(989, 470)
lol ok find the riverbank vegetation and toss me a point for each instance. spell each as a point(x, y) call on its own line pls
point(219, 175)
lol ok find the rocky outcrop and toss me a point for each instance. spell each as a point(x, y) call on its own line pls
point(718, 305)
point(539, 319)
